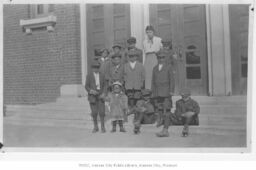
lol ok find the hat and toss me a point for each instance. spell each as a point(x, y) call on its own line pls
point(95, 64)
point(162, 53)
point(185, 92)
point(150, 28)
point(133, 52)
point(131, 40)
point(117, 83)
point(116, 55)
point(146, 92)
point(104, 49)
point(117, 45)
point(167, 42)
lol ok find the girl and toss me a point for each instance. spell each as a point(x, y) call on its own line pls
point(118, 106)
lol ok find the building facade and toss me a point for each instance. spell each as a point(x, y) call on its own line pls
point(48, 48)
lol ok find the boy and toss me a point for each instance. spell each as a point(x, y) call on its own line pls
point(114, 70)
point(94, 85)
point(134, 77)
point(118, 106)
point(143, 110)
point(132, 46)
point(186, 113)
point(162, 84)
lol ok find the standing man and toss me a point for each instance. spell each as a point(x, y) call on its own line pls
point(163, 84)
point(134, 77)
point(152, 44)
point(132, 46)
point(94, 85)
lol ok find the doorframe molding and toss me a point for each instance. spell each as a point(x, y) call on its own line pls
point(83, 41)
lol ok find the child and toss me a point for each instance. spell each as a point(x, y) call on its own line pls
point(143, 110)
point(132, 46)
point(94, 85)
point(134, 77)
point(186, 113)
point(118, 106)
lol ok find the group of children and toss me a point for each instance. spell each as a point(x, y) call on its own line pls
point(118, 78)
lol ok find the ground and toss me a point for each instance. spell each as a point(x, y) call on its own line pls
point(38, 136)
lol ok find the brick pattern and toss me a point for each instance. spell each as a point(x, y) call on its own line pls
point(35, 66)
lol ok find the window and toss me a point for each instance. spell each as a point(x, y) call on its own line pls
point(41, 10)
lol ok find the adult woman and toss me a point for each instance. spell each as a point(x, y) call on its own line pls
point(151, 45)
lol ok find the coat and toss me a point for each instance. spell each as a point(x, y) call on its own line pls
point(113, 73)
point(134, 78)
point(90, 84)
point(163, 82)
point(118, 106)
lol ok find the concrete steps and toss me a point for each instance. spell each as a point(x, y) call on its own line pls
point(219, 115)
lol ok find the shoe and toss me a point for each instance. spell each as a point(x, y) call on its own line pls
point(103, 130)
point(95, 130)
point(122, 129)
point(184, 132)
point(113, 127)
point(136, 131)
point(163, 133)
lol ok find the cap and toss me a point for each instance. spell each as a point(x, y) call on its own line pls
point(117, 83)
point(146, 92)
point(116, 55)
point(117, 45)
point(131, 40)
point(133, 52)
point(162, 53)
point(150, 28)
point(167, 42)
point(104, 49)
point(95, 64)
point(185, 92)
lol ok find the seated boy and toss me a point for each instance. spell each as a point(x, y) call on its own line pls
point(144, 111)
point(186, 112)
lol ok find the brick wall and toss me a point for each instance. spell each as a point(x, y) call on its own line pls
point(35, 66)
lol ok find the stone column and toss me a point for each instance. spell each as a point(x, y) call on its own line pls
point(219, 57)
point(139, 14)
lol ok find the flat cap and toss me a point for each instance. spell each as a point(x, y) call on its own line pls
point(117, 45)
point(133, 52)
point(131, 40)
point(95, 63)
point(185, 92)
point(162, 53)
point(146, 92)
point(150, 28)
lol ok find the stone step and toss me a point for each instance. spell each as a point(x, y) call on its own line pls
point(82, 123)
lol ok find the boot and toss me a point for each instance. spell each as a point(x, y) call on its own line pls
point(121, 126)
point(95, 123)
point(103, 130)
point(184, 132)
point(113, 126)
point(136, 130)
point(163, 133)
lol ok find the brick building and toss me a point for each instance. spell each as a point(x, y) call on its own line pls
point(48, 48)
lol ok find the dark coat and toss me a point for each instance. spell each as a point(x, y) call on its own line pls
point(162, 81)
point(90, 84)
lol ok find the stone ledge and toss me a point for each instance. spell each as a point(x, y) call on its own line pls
point(44, 22)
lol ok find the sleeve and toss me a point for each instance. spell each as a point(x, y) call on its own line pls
point(140, 56)
point(153, 86)
point(87, 84)
point(160, 43)
point(196, 107)
point(143, 73)
point(125, 102)
point(171, 80)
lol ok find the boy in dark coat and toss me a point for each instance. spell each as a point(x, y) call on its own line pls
point(186, 112)
point(143, 110)
point(132, 46)
point(162, 84)
point(94, 85)
point(134, 77)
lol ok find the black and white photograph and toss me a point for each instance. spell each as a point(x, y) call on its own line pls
point(108, 76)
